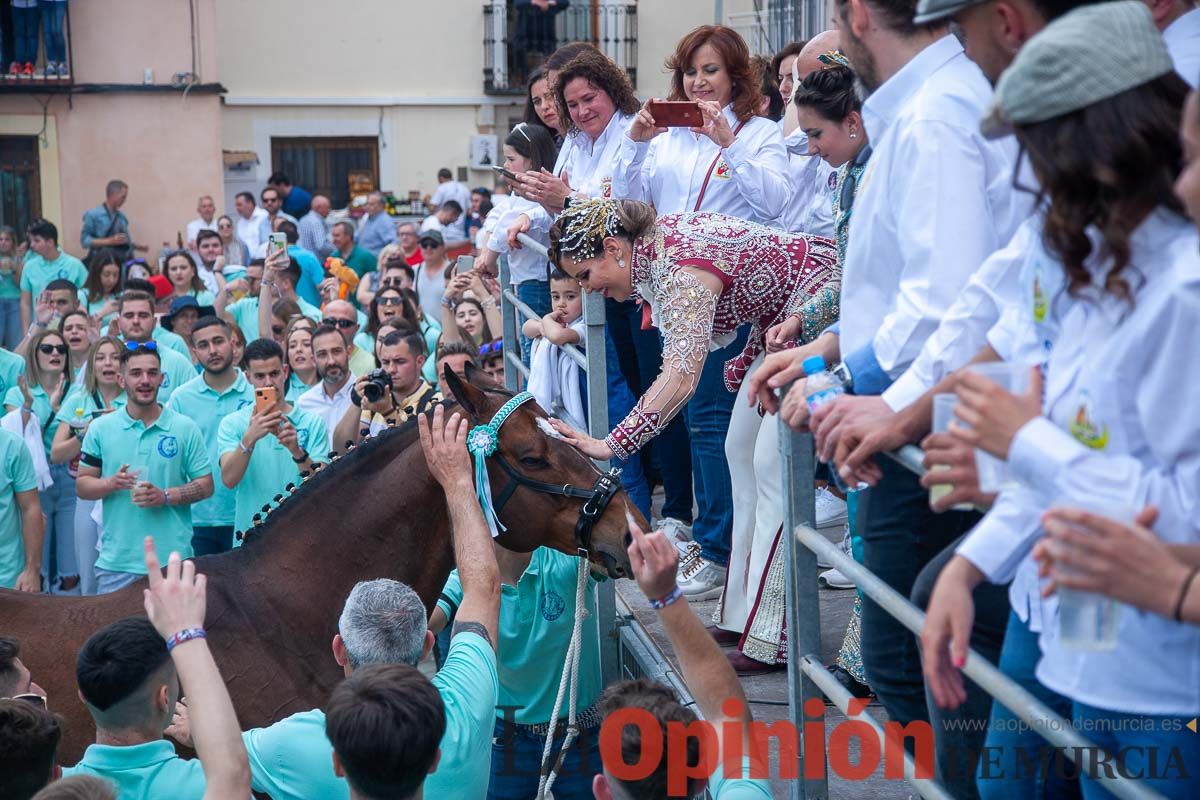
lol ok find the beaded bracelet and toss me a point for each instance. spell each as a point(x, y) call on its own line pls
point(185, 635)
point(667, 599)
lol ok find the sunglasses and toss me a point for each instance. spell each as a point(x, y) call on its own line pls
point(492, 348)
point(142, 347)
point(61, 349)
point(339, 323)
point(391, 300)
point(32, 699)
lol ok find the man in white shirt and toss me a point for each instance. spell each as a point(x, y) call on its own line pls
point(207, 221)
point(450, 189)
point(330, 398)
point(431, 276)
point(314, 228)
point(272, 204)
point(249, 220)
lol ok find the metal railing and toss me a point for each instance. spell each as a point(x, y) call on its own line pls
point(517, 39)
point(807, 676)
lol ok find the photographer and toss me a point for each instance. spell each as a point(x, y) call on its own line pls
point(390, 395)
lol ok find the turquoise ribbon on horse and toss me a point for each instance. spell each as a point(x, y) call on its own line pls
point(481, 443)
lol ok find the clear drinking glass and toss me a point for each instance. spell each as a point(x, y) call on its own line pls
point(994, 474)
point(943, 415)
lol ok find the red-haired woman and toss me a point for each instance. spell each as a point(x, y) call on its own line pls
point(734, 164)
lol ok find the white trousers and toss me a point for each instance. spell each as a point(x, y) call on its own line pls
point(756, 473)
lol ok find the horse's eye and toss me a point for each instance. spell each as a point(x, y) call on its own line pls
point(533, 462)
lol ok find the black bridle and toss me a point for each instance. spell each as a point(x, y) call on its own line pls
point(596, 499)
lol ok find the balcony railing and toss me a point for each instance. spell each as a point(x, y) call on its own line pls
point(517, 39)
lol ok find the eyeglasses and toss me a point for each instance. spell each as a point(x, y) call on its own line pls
point(390, 300)
point(61, 349)
point(30, 697)
point(142, 347)
point(339, 323)
point(850, 182)
point(492, 348)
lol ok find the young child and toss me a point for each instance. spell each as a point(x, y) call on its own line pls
point(560, 386)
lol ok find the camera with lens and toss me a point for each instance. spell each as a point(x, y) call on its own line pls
point(378, 384)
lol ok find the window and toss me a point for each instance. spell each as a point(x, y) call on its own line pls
point(322, 164)
point(20, 181)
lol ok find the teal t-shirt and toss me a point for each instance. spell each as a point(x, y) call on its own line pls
point(17, 475)
point(150, 771)
point(41, 410)
point(536, 619)
point(202, 404)
point(722, 787)
point(39, 272)
point(12, 366)
point(94, 307)
point(176, 371)
point(172, 341)
point(432, 333)
point(245, 313)
point(169, 453)
point(9, 288)
point(271, 467)
point(295, 388)
point(291, 760)
point(80, 398)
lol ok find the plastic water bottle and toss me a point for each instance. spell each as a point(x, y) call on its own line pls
point(821, 387)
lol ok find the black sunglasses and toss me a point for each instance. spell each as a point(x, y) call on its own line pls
point(61, 349)
point(339, 323)
point(390, 300)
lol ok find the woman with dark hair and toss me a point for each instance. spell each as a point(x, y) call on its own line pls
point(781, 69)
point(540, 108)
point(10, 289)
point(232, 248)
point(297, 352)
point(1112, 303)
point(180, 269)
point(735, 164)
point(99, 292)
point(771, 105)
point(76, 328)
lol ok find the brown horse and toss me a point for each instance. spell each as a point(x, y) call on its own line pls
point(273, 604)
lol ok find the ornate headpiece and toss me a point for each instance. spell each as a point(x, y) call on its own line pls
point(585, 226)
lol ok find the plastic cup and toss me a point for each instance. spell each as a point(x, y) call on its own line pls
point(994, 473)
point(1086, 620)
point(943, 415)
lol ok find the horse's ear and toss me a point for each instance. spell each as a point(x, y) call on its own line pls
point(474, 374)
point(469, 397)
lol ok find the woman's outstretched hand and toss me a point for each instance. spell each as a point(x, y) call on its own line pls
point(592, 448)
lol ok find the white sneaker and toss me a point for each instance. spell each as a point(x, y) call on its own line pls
point(689, 552)
point(831, 509)
point(676, 529)
point(834, 579)
point(845, 545)
point(704, 580)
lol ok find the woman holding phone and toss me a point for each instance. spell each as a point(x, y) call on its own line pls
point(99, 393)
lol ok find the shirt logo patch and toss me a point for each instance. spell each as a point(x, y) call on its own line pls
point(166, 382)
point(302, 439)
point(1040, 305)
point(242, 404)
point(552, 606)
point(833, 180)
point(1084, 427)
point(606, 188)
point(168, 446)
point(62, 273)
point(723, 171)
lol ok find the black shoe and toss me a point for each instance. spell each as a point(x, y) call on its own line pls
point(856, 687)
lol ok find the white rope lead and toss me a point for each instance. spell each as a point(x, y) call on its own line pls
point(571, 671)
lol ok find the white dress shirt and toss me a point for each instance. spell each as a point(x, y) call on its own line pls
point(250, 230)
point(813, 183)
point(1182, 38)
point(1115, 437)
point(524, 264)
point(749, 179)
point(935, 200)
point(198, 224)
point(329, 409)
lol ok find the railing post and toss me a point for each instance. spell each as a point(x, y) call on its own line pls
point(803, 600)
point(510, 323)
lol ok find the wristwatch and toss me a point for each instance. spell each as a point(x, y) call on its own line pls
point(566, 202)
point(843, 374)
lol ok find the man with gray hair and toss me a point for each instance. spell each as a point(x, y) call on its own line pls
point(384, 622)
point(376, 230)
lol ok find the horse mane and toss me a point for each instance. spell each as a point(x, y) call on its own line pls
point(313, 481)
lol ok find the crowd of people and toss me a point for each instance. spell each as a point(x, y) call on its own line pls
point(982, 203)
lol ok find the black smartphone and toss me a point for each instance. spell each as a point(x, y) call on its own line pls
point(512, 176)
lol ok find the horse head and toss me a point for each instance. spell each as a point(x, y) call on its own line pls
point(545, 492)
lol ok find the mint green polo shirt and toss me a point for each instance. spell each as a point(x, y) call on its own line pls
point(38, 272)
point(41, 410)
point(12, 366)
point(291, 760)
point(150, 771)
point(176, 371)
point(740, 787)
point(245, 314)
point(271, 467)
point(536, 619)
point(93, 307)
point(202, 404)
point(79, 397)
point(295, 388)
point(172, 341)
point(17, 475)
point(170, 453)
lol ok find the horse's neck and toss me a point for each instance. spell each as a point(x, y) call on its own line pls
point(378, 514)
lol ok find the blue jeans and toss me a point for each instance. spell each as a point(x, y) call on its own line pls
point(209, 540)
point(900, 536)
point(53, 15)
point(25, 35)
point(10, 323)
point(1147, 744)
point(86, 535)
point(708, 422)
point(1011, 745)
point(517, 762)
point(108, 581)
point(639, 353)
point(536, 295)
point(58, 546)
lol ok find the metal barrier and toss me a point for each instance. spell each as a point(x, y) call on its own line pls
point(808, 677)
